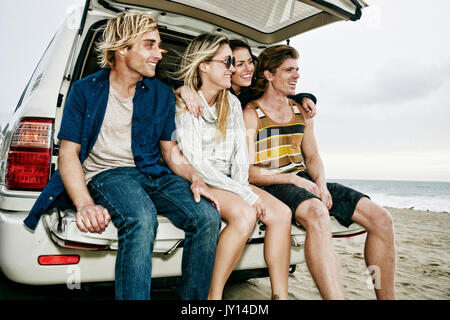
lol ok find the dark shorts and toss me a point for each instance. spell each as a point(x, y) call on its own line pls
point(344, 198)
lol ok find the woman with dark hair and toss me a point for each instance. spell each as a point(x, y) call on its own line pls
point(242, 83)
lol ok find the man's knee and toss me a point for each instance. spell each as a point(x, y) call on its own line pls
point(384, 218)
point(313, 214)
point(206, 217)
point(379, 219)
point(142, 226)
point(282, 215)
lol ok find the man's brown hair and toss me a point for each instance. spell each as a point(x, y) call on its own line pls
point(270, 59)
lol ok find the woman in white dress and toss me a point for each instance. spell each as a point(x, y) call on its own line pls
point(215, 145)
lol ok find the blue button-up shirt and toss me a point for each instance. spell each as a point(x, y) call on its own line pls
point(153, 120)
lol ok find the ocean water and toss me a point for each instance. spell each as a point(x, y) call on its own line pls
point(417, 195)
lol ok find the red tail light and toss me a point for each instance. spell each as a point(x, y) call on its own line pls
point(29, 158)
point(58, 260)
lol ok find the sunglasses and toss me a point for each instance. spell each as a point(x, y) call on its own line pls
point(229, 61)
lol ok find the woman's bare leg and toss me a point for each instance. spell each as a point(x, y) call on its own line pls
point(241, 219)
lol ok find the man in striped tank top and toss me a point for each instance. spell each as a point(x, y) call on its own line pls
point(285, 161)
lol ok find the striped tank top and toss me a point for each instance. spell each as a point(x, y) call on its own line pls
point(278, 145)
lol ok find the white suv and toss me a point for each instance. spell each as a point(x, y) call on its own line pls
point(56, 252)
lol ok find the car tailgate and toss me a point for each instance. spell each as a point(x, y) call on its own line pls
point(263, 21)
point(65, 232)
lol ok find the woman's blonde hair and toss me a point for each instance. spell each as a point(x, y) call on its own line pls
point(270, 59)
point(202, 49)
point(122, 32)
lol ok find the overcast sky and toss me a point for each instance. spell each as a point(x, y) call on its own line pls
point(382, 83)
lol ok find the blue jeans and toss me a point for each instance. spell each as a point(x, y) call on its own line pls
point(133, 200)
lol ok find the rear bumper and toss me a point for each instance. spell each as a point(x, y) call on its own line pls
point(20, 249)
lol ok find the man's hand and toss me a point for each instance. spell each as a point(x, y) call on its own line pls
point(199, 189)
point(305, 184)
point(179, 165)
point(325, 195)
point(92, 218)
point(308, 108)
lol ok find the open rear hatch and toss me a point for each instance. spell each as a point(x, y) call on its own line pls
point(263, 21)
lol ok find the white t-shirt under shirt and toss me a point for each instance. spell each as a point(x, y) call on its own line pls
point(113, 146)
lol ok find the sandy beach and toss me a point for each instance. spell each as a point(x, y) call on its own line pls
point(422, 264)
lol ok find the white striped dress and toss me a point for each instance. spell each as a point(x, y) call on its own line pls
point(222, 165)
